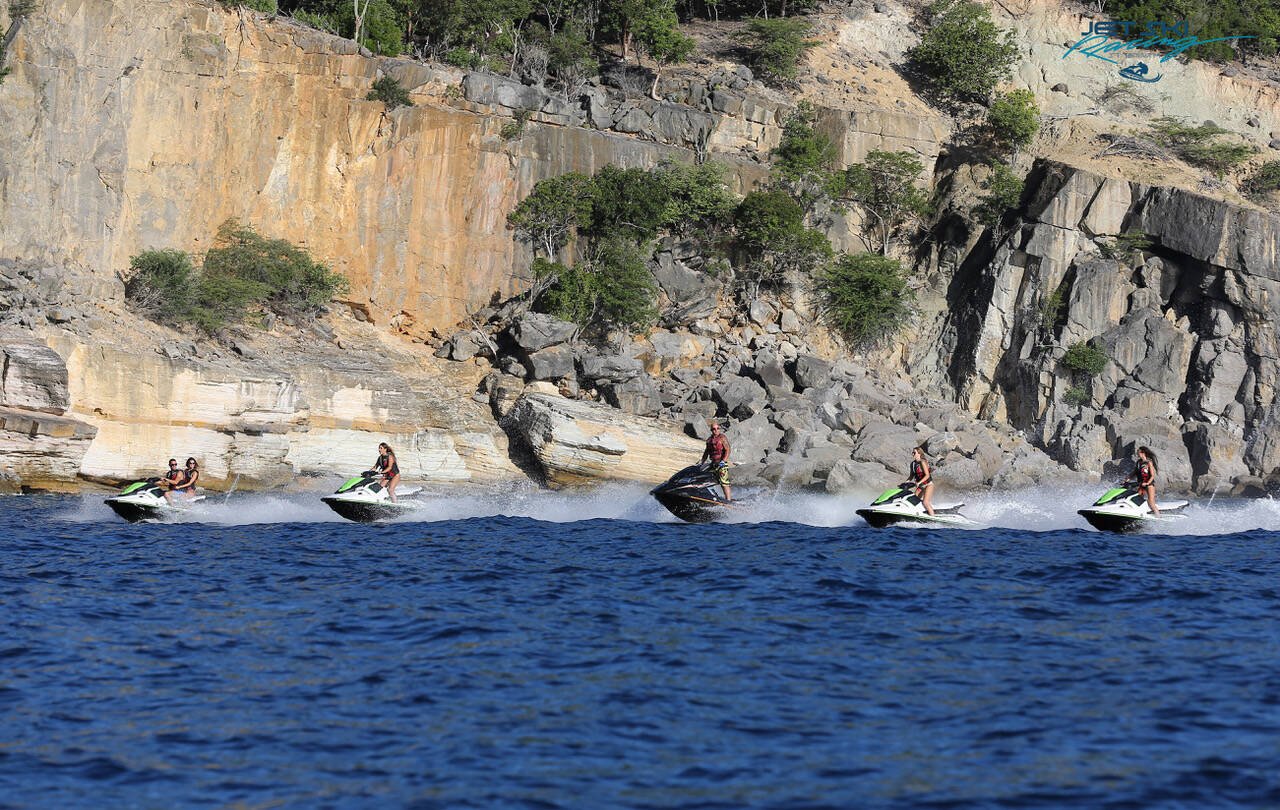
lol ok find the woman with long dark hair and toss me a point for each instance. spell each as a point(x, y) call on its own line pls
point(388, 467)
point(1144, 472)
point(922, 478)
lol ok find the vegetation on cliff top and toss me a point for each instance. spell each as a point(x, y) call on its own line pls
point(243, 269)
point(964, 54)
point(1232, 21)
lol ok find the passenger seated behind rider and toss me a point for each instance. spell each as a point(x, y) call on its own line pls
point(186, 485)
point(717, 451)
point(388, 469)
point(1145, 474)
point(922, 479)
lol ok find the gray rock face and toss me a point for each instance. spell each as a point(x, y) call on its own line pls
point(857, 477)
point(887, 444)
point(751, 439)
point(534, 331)
point(33, 377)
point(963, 474)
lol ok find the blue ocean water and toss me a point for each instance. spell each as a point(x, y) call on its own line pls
point(498, 662)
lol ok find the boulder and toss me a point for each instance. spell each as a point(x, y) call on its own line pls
point(1216, 455)
point(771, 373)
point(637, 395)
point(34, 378)
point(550, 363)
point(811, 371)
point(965, 474)
point(611, 368)
point(863, 477)
point(887, 444)
point(671, 349)
point(577, 442)
point(739, 395)
point(533, 331)
point(761, 312)
point(752, 438)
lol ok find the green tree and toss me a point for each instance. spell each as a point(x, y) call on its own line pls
point(1263, 182)
point(770, 232)
point(290, 280)
point(775, 47)
point(885, 188)
point(626, 296)
point(865, 296)
point(964, 53)
point(551, 212)
point(657, 33)
point(569, 59)
point(1014, 118)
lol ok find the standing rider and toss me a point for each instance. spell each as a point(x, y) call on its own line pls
point(389, 469)
point(922, 479)
point(717, 453)
point(1145, 473)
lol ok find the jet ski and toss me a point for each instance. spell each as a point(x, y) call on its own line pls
point(1124, 509)
point(145, 501)
point(694, 495)
point(901, 505)
point(364, 499)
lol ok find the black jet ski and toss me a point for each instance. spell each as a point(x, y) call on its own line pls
point(901, 505)
point(145, 501)
point(1124, 509)
point(364, 499)
point(694, 495)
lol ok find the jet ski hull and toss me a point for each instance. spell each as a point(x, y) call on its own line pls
point(882, 519)
point(363, 511)
point(694, 509)
point(1126, 524)
point(138, 510)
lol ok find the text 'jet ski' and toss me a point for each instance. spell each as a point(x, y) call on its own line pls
point(364, 499)
point(1124, 509)
point(901, 505)
point(145, 501)
point(694, 495)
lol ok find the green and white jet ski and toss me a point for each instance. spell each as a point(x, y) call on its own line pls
point(362, 498)
point(145, 501)
point(1124, 509)
point(900, 505)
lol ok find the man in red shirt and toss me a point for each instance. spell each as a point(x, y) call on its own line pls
point(717, 453)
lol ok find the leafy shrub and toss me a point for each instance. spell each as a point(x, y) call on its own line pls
point(697, 197)
point(513, 129)
point(964, 52)
point(628, 202)
point(1077, 395)
point(24, 8)
point(865, 296)
point(317, 20)
point(765, 218)
point(161, 284)
point(1004, 191)
point(1014, 118)
point(389, 91)
point(1052, 310)
point(572, 295)
point(1085, 358)
point(266, 6)
point(1195, 145)
point(625, 291)
point(463, 58)
point(770, 232)
point(1263, 182)
point(291, 280)
point(570, 59)
point(776, 46)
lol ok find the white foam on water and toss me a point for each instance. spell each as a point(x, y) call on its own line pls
point(1044, 509)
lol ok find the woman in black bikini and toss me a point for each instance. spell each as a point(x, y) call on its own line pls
point(922, 479)
point(387, 466)
point(1145, 474)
